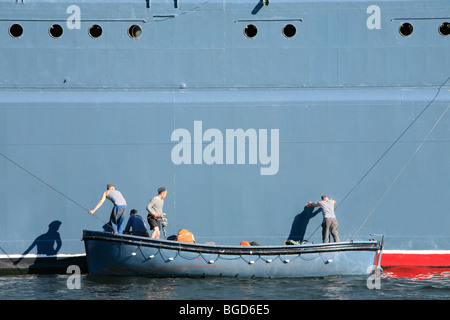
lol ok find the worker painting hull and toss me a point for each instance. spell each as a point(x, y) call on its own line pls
point(244, 111)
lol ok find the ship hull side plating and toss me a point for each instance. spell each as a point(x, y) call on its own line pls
point(242, 131)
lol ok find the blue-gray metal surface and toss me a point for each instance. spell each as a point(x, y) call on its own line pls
point(347, 107)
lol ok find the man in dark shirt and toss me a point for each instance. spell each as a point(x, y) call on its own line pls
point(137, 225)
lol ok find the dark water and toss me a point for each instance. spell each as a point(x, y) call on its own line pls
point(54, 287)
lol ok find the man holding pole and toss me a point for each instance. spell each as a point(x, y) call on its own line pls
point(119, 210)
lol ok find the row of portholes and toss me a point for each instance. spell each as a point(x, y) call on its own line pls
point(406, 29)
point(135, 31)
point(250, 31)
point(56, 31)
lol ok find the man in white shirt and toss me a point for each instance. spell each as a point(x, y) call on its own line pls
point(329, 224)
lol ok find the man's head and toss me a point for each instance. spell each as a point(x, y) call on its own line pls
point(325, 198)
point(133, 212)
point(162, 192)
point(110, 186)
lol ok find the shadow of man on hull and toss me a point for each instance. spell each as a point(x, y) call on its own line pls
point(48, 245)
point(300, 223)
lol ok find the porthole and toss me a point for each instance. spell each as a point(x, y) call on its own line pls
point(134, 31)
point(95, 31)
point(250, 31)
point(406, 29)
point(16, 30)
point(289, 30)
point(56, 31)
point(444, 29)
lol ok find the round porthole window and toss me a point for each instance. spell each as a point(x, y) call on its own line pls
point(250, 31)
point(56, 31)
point(134, 31)
point(406, 29)
point(16, 30)
point(95, 31)
point(289, 30)
point(444, 29)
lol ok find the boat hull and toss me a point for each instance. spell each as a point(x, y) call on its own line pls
point(137, 256)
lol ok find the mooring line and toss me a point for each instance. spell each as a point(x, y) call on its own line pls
point(49, 186)
point(401, 170)
point(390, 147)
point(395, 142)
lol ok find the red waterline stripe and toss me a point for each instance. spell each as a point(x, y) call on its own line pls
point(416, 272)
point(419, 258)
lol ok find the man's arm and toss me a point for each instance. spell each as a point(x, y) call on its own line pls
point(311, 204)
point(127, 228)
point(152, 210)
point(99, 204)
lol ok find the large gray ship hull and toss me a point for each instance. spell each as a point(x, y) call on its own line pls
point(242, 129)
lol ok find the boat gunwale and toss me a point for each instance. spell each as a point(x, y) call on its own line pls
point(371, 245)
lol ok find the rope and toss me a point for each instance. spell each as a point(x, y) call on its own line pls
point(49, 186)
point(401, 170)
point(199, 255)
point(395, 142)
point(387, 150)
point(62, 194)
